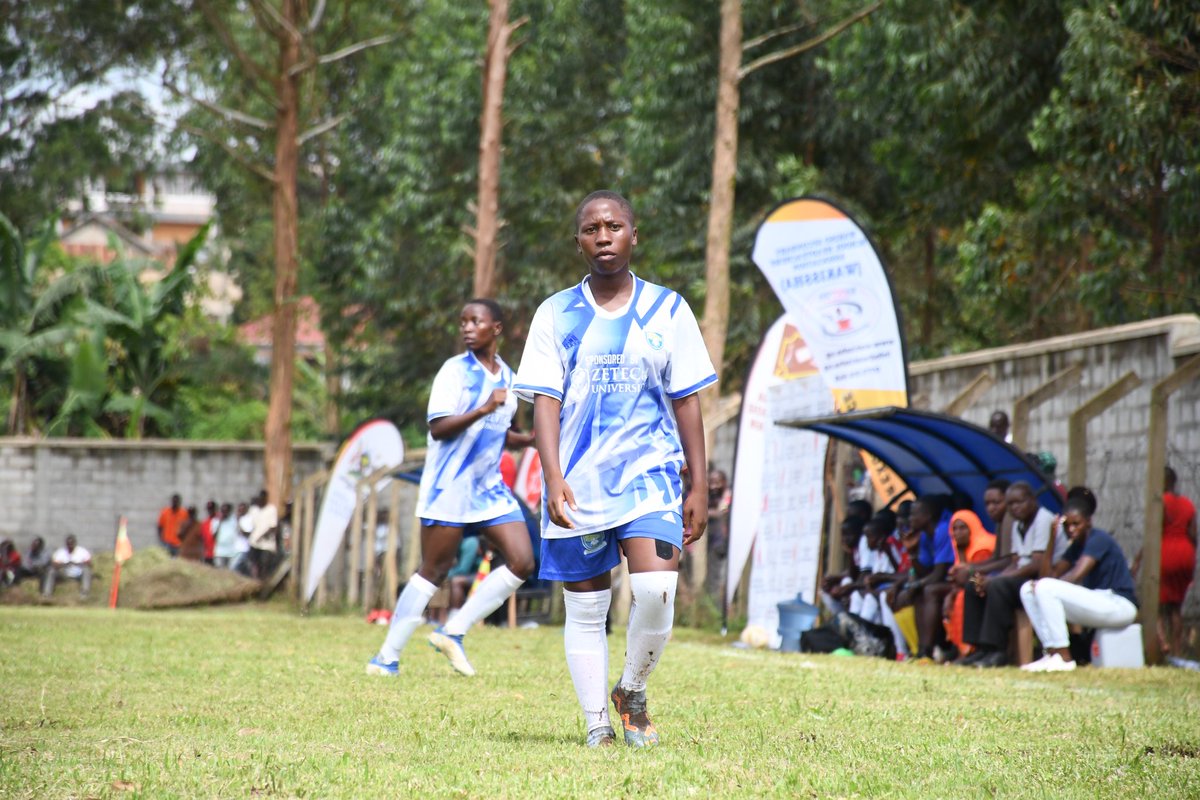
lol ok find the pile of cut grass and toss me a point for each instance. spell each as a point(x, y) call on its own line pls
point(150, 579)
point(246, 701)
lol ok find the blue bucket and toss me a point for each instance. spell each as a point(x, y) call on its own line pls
point(795, 617)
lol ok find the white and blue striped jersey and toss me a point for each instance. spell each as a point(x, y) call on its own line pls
point(461, 481)
point(616, 373)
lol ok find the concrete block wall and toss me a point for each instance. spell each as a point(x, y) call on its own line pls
point(1117, 444)
point(52, 487)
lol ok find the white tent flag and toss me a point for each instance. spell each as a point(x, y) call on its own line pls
point(374, 445)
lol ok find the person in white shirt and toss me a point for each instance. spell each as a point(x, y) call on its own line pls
point(470, 423)
point(262, 535)
point(613, 366)
point(70, 561)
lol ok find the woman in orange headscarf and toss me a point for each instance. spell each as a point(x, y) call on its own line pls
point(972, 544)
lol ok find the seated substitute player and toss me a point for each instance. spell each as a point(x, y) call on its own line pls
point(613, 366)
point(470, 413)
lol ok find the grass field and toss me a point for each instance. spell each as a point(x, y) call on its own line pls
point(256, 702)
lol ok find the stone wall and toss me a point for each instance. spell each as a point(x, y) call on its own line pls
point(1116, 453)
point(52, 487)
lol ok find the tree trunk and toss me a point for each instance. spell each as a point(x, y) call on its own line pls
point(715, 323)
point(491, 122)
point(285, 213)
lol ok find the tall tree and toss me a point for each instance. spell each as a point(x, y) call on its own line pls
point(491, 124)
point(292, 35)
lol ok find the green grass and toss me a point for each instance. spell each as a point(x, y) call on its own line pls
point(253, 701)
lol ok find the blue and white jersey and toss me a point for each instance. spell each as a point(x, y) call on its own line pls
point(461, 481)
point(616, 373)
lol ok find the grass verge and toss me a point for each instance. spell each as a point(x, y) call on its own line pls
point(247, 701)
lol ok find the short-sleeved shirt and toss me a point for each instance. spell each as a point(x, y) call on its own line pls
point(616, 374)
point(461, 481)
point(938, 548)
point(1110, 571)
point(1027, 540)
point(71, 561)
point(171, 520)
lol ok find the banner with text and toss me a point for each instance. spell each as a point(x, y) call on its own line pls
point(830, 280)
point(782, 357)
point(374, 445)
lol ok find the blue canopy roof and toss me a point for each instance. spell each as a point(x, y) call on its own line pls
point(935, 453)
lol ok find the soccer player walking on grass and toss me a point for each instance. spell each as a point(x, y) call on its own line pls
point(470, 414)
point(613, 366)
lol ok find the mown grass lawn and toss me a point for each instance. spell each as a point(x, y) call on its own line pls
point(253, 701)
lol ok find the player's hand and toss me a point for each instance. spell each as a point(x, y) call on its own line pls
point(498, 398)
point(558, 498)
point(695, 516)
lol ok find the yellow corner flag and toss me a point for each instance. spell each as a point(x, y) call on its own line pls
point(122, 552)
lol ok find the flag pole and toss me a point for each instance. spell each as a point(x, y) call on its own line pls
point(122, 550)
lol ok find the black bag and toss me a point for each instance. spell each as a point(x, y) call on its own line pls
point(825, 639)
point(866, 638)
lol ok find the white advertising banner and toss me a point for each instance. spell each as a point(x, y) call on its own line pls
point(830, 280)
point(787, 549)
point(374, 445)
point(782, 356)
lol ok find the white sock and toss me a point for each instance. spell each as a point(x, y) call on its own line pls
point(650, 621)
point(587, 652)
point(493, 591)
point(408, 616)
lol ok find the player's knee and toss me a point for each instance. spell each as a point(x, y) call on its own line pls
point(521, 565)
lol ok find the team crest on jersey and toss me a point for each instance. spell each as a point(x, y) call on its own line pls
point(654, 339)
point(592, 543)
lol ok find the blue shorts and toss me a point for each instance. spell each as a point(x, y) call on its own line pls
point(512, 516)
point(578, 558)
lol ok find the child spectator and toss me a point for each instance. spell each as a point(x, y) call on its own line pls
point(191, 537)
point(225, 548)
point(208, 529)
point(926, 584)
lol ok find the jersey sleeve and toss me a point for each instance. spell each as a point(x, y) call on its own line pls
point(690, 368)
point(447, 386)
point(541, 370)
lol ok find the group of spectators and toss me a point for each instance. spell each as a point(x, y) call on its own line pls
point(933, 568)
point(71, 561)
point(246, 540)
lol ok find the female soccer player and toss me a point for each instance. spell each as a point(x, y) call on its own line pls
point(613, 366)
point(470, 413)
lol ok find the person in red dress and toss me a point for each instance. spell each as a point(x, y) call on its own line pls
point(1178, 564)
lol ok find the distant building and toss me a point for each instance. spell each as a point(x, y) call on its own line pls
point(151, 218)
point(310, 342)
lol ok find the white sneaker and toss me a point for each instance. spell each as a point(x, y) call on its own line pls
point(1050, 663)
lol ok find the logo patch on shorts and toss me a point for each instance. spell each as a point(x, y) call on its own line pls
point(593, 543)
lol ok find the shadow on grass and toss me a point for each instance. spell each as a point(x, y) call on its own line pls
point(537, 737)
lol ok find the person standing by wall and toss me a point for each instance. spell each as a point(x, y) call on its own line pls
point(1178, 563)
point(170, 522)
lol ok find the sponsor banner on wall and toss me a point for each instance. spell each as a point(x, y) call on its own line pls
point(782, 356)
point(830, 280)
point(373, 446)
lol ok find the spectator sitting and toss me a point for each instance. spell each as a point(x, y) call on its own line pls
point(839, 588)
point(889, 564)
point(1091, 586)
point(989, 611)
point(170, 521)
point(10, 563)
point(70, 561)
point(972, 545)
point(191, 537)
point(37, 560)
point(926, 585)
